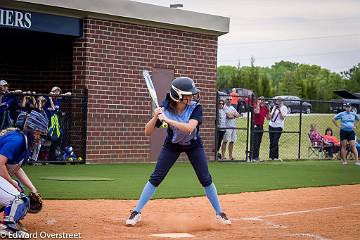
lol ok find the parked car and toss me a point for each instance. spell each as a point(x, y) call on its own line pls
point(293, 104)
point(223, 95)
point(241, 91)
point(337, 105)
point(244, 98)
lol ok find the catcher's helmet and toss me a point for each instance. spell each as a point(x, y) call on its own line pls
point(20, 121)
point(36, 122)
point(182, 86)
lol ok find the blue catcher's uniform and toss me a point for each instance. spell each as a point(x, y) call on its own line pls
point(13, 145)
point(178, 141)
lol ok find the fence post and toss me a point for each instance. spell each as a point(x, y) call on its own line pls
point(300, 124)
point(216, 124)
point(85, 112)
point(251, 120)
point(247, 109)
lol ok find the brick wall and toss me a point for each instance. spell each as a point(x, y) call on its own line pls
point(108, 61)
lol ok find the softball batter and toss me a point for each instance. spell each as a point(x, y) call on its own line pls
point(183, 114)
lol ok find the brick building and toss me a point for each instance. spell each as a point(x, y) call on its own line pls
point(100, 48)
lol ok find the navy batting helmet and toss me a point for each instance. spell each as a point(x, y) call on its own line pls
point(182, 86)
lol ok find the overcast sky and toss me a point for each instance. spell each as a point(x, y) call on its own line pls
point(321, 32)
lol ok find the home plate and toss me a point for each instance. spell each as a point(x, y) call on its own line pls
point(172, 235)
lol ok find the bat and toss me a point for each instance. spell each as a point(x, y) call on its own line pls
point(152, 92)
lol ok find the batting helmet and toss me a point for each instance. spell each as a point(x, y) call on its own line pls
point(182, 86)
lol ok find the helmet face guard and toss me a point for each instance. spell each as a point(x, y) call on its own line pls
point(35, 127)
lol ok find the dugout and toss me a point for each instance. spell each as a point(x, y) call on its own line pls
point(100, 48)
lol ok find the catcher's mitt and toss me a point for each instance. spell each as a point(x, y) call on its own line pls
point(35, 202)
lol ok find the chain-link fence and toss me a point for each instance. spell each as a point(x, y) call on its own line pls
point(294, 141)
point(66, 114)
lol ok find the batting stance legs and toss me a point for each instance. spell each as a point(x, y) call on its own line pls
point(168, 156)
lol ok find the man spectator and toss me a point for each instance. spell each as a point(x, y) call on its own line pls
point(261, 111)
point(348, 121)
point(221, 127)
point(40, 103)
point(230, 134)
point(276, 126)
point(55, 133)
point(7, 102)
point(234, 98)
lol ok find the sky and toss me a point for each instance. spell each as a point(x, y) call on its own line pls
point(321, 32)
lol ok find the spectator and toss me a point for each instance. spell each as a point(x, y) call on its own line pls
point(230, 134)
point(348, 121)
point(7, 102)
point(41, 101)
point(55, 132)
point(314, 135)
point(261, 111)
point(331, 143)
point(276, 126)
point(234, 98)
point(27, 102)
point(221, 126)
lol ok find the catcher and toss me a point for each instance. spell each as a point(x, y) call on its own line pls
point(15, 147)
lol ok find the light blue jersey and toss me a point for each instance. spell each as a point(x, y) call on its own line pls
point(347, 120)
point(193, 111)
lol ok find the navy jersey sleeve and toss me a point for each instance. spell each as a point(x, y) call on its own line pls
point(197, 114)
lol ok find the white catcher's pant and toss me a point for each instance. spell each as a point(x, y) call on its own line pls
point(8, 192)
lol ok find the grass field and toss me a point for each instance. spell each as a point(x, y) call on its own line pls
point(289, 142)
point(129, 179)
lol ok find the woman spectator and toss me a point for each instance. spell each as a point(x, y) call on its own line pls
point(314, 135)
point(331, 143)
point(27, 103)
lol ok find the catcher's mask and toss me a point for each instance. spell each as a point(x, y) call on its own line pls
point(183, 86)
point(35, 126)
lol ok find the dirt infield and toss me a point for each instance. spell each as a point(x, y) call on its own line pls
point(308, 213)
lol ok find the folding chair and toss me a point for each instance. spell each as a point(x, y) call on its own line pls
point(316, 149)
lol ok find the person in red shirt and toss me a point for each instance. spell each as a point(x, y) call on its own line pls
point(332, 144)
point(234, 98)
point(261, 111)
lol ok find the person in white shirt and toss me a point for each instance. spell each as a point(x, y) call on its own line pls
point(230, 134)
point(221, 127)
point(276, 126)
